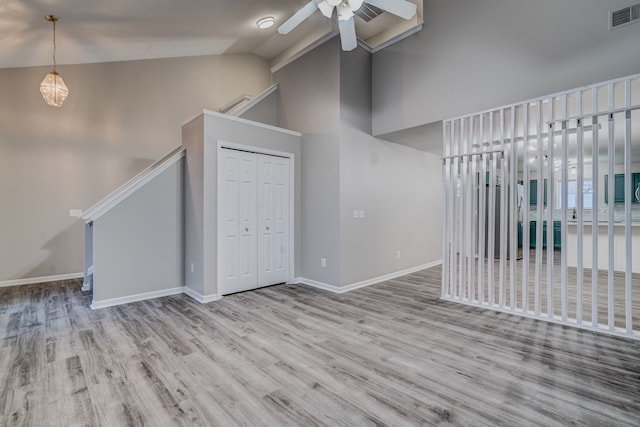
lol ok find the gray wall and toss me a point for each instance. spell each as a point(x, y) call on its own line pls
point(398, 187)
point(265, 111)
point(138, 244)
point(400, 190)
point(310, 91)
point(477, 54)
point(321, 207)
point(114, 124)
point(200, 206)
point(310, 103)
point(327, 95)
point(192, 139)
point(355, 89)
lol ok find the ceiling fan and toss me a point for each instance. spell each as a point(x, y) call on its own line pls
point(345, 10)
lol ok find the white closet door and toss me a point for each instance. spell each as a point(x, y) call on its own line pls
point(239, 218)
point(273, 220)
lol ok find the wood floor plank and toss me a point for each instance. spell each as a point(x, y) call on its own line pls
point(390, 354)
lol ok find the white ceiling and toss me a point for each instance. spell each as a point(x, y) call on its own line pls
point(91, 31)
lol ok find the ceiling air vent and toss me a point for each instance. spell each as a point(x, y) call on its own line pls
point(624, 16)
point(368, 12)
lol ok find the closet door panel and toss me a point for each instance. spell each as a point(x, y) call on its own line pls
point(281, 218)
point(273, 220)
point(238, 205)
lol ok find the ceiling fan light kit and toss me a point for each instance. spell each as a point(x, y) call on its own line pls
point(345, 10)
point(53, 89)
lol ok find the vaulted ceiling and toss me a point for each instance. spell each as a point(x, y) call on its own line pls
point(102, 31)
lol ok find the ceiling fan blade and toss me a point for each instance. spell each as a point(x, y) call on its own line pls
point(297, 18)
point(326, 8)
point(401, 8)
point(348, 34)
point(355, 4)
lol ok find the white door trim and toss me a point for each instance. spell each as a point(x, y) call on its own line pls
point(258, 150)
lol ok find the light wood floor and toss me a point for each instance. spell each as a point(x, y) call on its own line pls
point(390, 354)
point(602, 300)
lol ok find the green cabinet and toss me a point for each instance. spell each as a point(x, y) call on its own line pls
point(533, 192)
point(557, 234)
point(519, 235)
point(619, 195)
point(533, 228)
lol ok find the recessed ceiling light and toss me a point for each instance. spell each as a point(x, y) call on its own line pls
point(266, 22)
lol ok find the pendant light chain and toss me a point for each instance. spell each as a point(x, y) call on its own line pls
point(54, 43)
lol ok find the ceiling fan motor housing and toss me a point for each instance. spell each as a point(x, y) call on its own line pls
point(345, 9)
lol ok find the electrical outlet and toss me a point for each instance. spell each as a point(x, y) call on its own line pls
point(192, 267)
point(323, 262)
point(398, 254)
point(361, 213)
point(75, 212)
point(355, 213)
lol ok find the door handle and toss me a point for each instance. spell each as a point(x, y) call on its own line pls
point(246, 230)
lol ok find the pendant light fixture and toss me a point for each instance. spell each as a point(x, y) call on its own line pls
point(52, 88)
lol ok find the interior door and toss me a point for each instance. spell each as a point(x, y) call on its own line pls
point(273, 220)
point(238, 207)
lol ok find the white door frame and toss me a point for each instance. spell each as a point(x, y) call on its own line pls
point(258, 150)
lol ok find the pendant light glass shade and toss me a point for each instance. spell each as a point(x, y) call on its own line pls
point(53, 89)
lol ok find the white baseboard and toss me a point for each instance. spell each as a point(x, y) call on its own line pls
point(203, 299)
point(319, 285)
point(86, 287)
point(43, 279)
point(368, 282)
point(138, 297)
point(389, 276)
